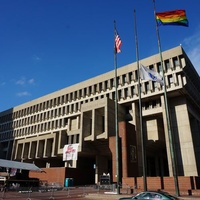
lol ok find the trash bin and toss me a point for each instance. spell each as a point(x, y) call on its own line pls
point(69, 182)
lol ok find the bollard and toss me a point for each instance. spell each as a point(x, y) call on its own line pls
point(3, 193)
point(29, 195)
point(52, 194)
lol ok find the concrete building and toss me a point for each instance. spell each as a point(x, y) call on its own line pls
point(84, 113)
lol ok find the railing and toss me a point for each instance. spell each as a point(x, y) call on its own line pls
point(52, 192)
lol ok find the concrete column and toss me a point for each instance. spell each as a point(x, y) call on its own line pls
point(184, 146)
point(94, 118)
point(77, 121)
point(69, 124)
point(22, 154)
point(37, 147)
point(45, 148)
point(29, 152)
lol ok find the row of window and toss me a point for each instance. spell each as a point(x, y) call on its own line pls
point(29, 149)
point(59, 112)
point(41, 127)
point(66, 123)
point(87, 91)
point(64, 110)
point(123, 93)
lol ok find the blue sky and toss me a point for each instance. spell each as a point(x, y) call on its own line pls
point(47, 45)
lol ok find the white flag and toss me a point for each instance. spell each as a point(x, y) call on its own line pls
point(70, 152)
point(147, 74)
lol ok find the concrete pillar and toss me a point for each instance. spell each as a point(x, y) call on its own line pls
point(184, 146)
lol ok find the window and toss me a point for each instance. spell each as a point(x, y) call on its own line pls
point(154, 84)
point(176, 62)
point(80, 93)
point(111, 83)
point(75, 95)
point(106, 85)
point(154, 104)
point(103, 123)
point(77, 138)
point(70, 96)
point(59, 102)
point(159, 67)
point(126, 92)
point(55, 102)
point(124, 79)
point(118, 81)
point(167, 65)
point(130, 76)
point(146, 105)
point(136, 75)
point(133, 91)
point(147, 87)
point(85, 92)
point(119, 94)
point(50, 103)
point(151, 67)
point(95, 89)
point(63, 99)
point(90, 91)
point(171, 79)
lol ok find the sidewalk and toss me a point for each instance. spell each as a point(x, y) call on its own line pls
point(117, 196)
point(62, 195)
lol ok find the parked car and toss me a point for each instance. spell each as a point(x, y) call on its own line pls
point(151, 195)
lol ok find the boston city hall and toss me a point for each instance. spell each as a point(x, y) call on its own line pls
point(81, 117)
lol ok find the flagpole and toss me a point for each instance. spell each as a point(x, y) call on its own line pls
point(167, 112)
point(116, 116)
point(143, 146)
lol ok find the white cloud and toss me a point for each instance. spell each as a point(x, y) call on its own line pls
point(2, 83)
point(24, 81)
point(31, 81)
point(25, 93)
point(192, 47)
point(21, 81)
point(37, 58)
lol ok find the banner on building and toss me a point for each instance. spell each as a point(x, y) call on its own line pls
point(70, 152)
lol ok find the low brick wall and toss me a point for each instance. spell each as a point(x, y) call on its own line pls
point(50, 175)
point(58, 175)
point(187, 185)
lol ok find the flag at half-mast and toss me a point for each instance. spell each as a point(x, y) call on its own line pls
point(147, 74)
point(118, 42)
point(174, 17)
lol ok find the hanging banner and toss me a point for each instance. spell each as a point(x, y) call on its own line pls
point(70, 152)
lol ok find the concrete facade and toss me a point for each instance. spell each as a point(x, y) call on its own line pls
point(84, 113)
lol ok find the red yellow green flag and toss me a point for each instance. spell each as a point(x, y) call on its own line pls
point(175, 17)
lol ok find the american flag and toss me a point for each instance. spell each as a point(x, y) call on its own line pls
point(118, 43)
